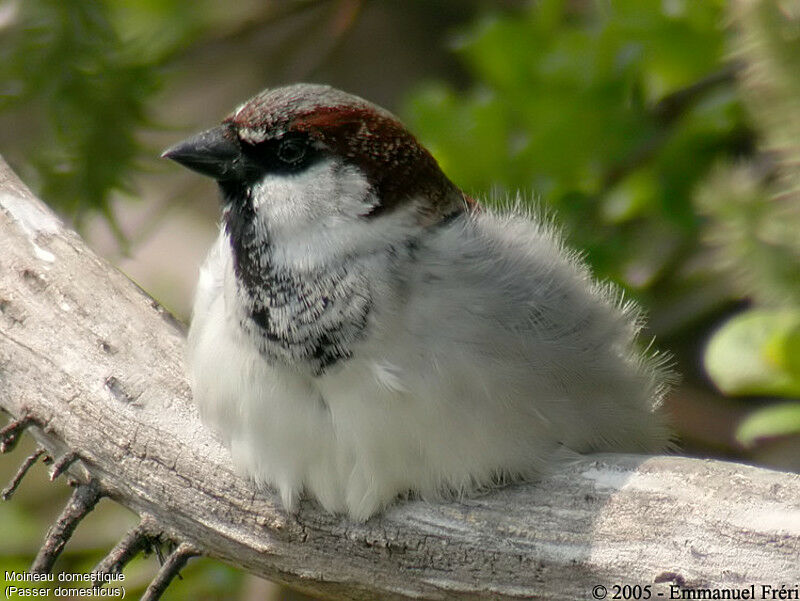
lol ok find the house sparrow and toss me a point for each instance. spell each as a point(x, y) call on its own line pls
point(363, 330)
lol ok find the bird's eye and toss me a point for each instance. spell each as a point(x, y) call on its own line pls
point(291, 150)
point(290, 153)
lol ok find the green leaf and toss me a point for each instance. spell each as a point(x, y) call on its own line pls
point(777, 420)
point(565, 108)
point(94, 88)
point(755, 353)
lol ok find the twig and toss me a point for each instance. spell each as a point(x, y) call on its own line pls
point(673, 105)
point(343, 18)
point(137, 540)
point(80, 504)
point(243, 30)
point(665, 112)
point(174, 563)
point(9, 435)
point(8, 491)
point(61, 464)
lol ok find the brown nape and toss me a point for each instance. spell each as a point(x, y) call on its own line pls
point(470, 204)
point(396, 165)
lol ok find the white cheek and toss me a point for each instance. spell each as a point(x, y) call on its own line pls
point(282, 200)
point(317, 217)
point(352, 195)
point(325, 191)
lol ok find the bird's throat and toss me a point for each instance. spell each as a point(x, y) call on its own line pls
point(306, 319)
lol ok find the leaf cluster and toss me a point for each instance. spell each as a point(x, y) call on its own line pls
point(81, 77)
point(753, 224)
point(591, 105)
point(65, 59)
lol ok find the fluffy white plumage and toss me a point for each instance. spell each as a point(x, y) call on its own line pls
point(487, 351)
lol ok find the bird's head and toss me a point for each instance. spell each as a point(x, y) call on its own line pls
point(307, 164)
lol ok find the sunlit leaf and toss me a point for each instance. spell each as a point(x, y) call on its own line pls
point(752, 354)
point(770, 422)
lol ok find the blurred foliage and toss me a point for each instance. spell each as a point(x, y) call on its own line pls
point(757, 353)
point(781, 419)
point(753, 212)
point(82, 75)
point(611, 112)
point(92, 89)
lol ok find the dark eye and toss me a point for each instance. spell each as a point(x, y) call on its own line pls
point(291, 153)
point(292, 150)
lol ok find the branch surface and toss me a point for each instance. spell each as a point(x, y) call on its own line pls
point(95, 367)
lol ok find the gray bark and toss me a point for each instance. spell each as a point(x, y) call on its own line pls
point(97, 364)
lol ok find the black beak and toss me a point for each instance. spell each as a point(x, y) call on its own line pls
point(215, 153)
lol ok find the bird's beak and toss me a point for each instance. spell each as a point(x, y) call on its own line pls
point(214, 152)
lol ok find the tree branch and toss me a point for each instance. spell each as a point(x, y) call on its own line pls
point(9, 490)
point(83, 500)
point(138, 540)
point(174, 564)
point(94, 366)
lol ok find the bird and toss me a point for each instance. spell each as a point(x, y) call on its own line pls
point(364, 332)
